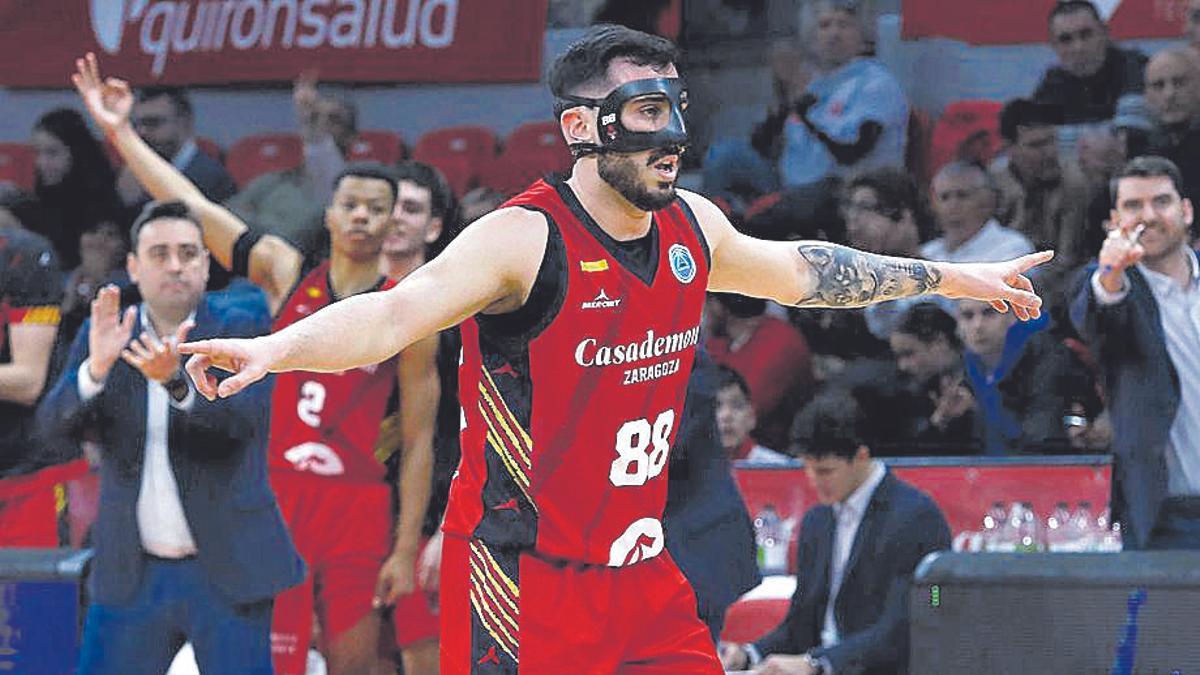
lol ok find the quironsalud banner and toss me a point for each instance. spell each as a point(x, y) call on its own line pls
point(192, 42)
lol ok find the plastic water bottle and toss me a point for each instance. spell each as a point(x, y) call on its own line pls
point(1029, 530)
point(1007, 536)
point(772, 542)
point(1083, 528)
point(993, 524)
point(1110, 540)
point(1058, 531)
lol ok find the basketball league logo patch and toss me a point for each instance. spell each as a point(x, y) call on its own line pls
point(682, 264)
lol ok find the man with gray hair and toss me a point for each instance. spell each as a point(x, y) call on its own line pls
point(851, 116)
point(1173, 97)
point(964, 203)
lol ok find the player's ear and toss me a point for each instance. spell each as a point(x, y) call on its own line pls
point(579, 125)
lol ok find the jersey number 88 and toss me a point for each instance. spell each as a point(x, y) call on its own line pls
point(642, 450)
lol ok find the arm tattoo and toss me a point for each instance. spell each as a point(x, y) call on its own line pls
point(845, 277)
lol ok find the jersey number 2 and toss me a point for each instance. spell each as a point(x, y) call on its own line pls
point(311, 403)
point(642, 450)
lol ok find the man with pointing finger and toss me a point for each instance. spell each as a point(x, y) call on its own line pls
point(190, 544)
point(1139, 310)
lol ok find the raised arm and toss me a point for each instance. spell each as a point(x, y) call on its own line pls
point(821, 274)
point(489, 267)
point(274, 264)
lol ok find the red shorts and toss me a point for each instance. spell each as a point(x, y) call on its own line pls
point(30, 519)
point(343, 531)
point(415, 617)
point(500, 608)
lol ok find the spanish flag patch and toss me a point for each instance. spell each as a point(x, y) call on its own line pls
point(593, 265)
point(47, 315)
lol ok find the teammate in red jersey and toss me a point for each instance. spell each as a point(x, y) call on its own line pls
point(586, 297)
point(325, 422)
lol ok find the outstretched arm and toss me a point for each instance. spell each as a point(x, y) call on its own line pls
point(821, 274)
point(490, 266)
point(274, 264)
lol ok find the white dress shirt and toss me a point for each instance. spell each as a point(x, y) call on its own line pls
point(186, 153)
point(1179, 312)
point(847, 516)
point(992, 243)
point(162, 525)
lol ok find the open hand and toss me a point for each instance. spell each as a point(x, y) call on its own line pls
point(1002, 284)
point(155, 359)
point(108, 332)
point(108, 101)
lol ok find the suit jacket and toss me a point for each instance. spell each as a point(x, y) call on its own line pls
point(210, 177)
point(217, 450)
point(708, 530)
point(900, 526)
point(1143, 390)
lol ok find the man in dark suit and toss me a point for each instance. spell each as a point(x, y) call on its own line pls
point(164, 117)
point(857, 553)
point(708, 530)
point(1137, 309)
point(190, 544)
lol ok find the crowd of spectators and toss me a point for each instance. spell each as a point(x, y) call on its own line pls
point(831, 160)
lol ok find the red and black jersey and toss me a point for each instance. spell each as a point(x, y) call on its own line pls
point(31, 290)
point(326, 424)
point(571, 403)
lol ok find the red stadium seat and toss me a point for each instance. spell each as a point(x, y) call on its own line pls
point(209, 147)
point(512, 172)
point(255, 155)
point(533, 136)
point(16, 165)
point(967, 130)
point(749, 620)
point(542, 143)
point(472, 141)
point(377, 145)
point(459, 171)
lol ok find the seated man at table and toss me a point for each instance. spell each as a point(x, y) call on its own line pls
point(856, 553)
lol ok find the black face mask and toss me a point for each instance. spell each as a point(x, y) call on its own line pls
point(638, 115)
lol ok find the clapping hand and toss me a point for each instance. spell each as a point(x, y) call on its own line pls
point(157, 360)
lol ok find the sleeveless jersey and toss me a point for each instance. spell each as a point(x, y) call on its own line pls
point(567, 427)
point(326, 424)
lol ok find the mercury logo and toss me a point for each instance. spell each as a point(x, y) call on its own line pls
point(175, 27)
point(602, 301)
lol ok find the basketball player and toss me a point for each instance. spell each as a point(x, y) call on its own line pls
point(324, 424)
point(580, 303)
point(424, 210)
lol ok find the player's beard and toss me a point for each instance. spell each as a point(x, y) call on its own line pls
point(623, 173)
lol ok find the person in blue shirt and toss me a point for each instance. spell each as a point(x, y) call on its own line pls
point(851, 116)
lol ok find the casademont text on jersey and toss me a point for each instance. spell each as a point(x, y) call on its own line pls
point(167, 27)
point(588, 353)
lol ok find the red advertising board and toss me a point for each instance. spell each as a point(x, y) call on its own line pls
point(1000, 22)
point(964, 492)
point(225, 41)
